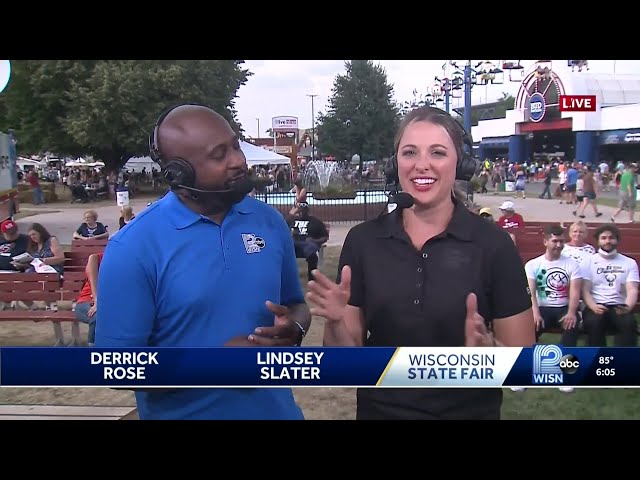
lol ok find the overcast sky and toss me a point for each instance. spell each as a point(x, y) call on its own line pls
point(280, 87)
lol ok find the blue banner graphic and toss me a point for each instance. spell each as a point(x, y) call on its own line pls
point(405, 367)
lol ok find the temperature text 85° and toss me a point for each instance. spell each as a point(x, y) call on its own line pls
point(605, 360)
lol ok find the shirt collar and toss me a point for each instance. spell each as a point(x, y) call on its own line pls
point(459, 226)
point(182, 216)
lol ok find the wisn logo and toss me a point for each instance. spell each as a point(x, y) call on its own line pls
point(550, 366)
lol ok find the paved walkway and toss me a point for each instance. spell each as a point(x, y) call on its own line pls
point(533, 209)
point(62, 219)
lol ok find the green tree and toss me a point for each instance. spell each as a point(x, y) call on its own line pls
point(362, 117)
point(107, 109)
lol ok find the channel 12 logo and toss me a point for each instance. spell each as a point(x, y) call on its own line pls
point(550, 365)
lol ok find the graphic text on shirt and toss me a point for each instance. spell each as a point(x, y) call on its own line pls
point(302, 226)
point(552, 282)
point(252, 243)
point(610, 273)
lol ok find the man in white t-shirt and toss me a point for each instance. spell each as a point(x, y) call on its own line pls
point(610, 291)
point(555, 284)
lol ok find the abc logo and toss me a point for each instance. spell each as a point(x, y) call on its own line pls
point(569, 364)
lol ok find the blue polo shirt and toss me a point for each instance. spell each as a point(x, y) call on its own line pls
point(174, 278)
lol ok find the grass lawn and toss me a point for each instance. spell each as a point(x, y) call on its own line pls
point(328, 403)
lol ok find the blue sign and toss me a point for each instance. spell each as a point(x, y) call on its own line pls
point(537, 107)
point(612, 137)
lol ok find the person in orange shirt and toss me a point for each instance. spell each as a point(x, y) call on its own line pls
point(86, 304)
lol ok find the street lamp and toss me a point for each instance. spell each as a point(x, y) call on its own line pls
point(258, 120)
point(313, 128)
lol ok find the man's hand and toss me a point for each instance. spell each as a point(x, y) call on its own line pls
point(622, 309)
point(599, 309)
point(92, 309)
point(284, 333)
point(475, 330)
point(568, 321)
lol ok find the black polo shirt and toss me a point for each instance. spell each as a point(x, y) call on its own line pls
point(417, 299)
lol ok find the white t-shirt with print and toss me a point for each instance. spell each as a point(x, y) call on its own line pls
point(609, 277)
point(581, 254)
point(553, 278)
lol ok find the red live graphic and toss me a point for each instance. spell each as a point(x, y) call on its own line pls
point(577, 103)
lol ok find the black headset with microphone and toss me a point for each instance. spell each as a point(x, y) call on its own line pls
point(178, 172)
point(466, 167)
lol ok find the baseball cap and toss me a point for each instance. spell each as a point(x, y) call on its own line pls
point(485, 211)
point(7, 225)
point(507, 205)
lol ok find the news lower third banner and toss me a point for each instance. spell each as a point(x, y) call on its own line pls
point(540, 366)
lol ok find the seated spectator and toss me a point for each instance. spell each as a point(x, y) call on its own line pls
point(91, 228)
point(309, 234)
point(12, 244)
point(78, 192)
point(486, 214)
point(45, 247)
point(86, 303)
point(577, 247)
point(126, 217)
point(610, 292)
point(510, 219)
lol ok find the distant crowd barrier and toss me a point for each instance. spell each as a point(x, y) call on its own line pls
point(360, 206)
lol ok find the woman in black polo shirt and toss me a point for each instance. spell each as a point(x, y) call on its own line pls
point(432, 275)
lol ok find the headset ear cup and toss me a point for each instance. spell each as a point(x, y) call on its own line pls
point(467, 168)
point(178, 173)
point(391, 171)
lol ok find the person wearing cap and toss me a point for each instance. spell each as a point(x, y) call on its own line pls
point(509, 218)
point(12, 244)
point(486, 213)
point(309, 234)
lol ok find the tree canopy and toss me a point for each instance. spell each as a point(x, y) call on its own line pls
point(362, 116)
point(107, 108)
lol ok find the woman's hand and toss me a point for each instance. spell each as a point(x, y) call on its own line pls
point(329, 299)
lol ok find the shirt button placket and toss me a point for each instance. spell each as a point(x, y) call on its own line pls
point(416, 301)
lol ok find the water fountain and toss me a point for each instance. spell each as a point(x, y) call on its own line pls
point(320, 172)
point(323, 179)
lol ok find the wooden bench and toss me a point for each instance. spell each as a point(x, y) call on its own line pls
point(64, 412)
point(41, 287)
point(88, 246)
point(76, 261)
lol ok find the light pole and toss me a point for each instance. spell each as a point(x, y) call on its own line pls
point(258, 120)
point(313, 128)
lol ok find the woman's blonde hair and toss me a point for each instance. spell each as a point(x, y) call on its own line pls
point(127, 212)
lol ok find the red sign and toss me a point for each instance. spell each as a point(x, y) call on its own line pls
point(577, 103)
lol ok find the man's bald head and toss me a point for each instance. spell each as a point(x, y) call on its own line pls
point(189, 128)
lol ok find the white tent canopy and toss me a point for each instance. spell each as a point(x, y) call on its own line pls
point(255, 156)
point(261, 156)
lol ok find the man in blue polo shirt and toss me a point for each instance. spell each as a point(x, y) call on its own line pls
point(206, 266)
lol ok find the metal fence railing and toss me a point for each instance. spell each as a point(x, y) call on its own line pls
point(362, 205)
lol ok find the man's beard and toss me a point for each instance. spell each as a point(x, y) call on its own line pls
point(213, 203)
point(217, 202)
